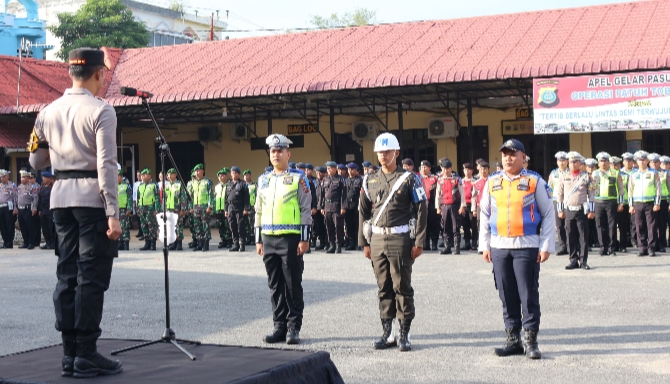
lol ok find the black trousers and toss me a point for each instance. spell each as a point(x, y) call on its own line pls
point(48, 228)
point(451, 222)
point(662, 224)
point(577, 230)
point(624, 224)
point(27, 226)
point(351, 224)
point(434, 225)
point(238, 226)
point(335, 227)
point(517, 275)
point(392, 263)
point(469, 225)
point(606, 213)
point(319, 227)
point(83, 270)
point(7, 229)
point(645, 221)
point(284, 268)
point(560, 228)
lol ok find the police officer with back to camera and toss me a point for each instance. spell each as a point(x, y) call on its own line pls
point(354, 183)
point(76, 134)
point(392, 230)
point(237, 209)
point(608, 201)
point(44, 211)
point(8, 203)
point(27, 208)
point(554, 176)
point(333, 207)
point(515, 204)
point(574, 200)
point(644, 199)
point(282, 232)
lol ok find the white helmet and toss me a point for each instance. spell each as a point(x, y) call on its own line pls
point(118, 166)
point(385, 142)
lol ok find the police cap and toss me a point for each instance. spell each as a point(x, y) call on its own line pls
point(575, 156)
point(665, 159)
point(246, 172)
point(513, 145)
point(321, 169)
point(291, 165)
point(367, 164)
point(309, 166)
point(277, 141)
point(603, 156)
point(654, 157)
point(171, 170)
point(331, 164)
point(4, 172)
point(591, 162)
point(341, 166)
point(641, 155)
point(199, 166)
point(222, 171)
point(300, 165)
point(235, 168)
point(87, 57)
point(561, 155)
point(628, 156)
point(352, 165)
point(616, 160)
point(50, 175)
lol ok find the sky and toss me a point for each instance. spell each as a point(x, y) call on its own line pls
point(292, 14)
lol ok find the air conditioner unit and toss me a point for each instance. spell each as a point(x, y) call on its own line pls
point(239, 131)
point(208, 134)
point(442, 128)
point(364, 130)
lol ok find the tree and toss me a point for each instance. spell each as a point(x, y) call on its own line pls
point(358, 17)
point(99, 23)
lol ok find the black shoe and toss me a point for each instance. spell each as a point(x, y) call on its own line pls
point(293, 336)
point(331, 249)
point(229, 244)
point(142, 238)
point(562, 252)
point(603, 252)
point(68, 366)
point(530, 345)
point(205, 246)
point(572, 266)
point(278, 335)
point(611, 253)
point(338, 249)
point(31, 246)
point(24, 246)
point(652, 253)
point(192, 244)
point(351, 246)
point(45, 246)
point(512, 345)
point(242, 249)
point(624, 250)
point(126, 245)
point(585, 266)
point(147, 245)
point(172, 246)
point(457, 251)
point(198, 246)
point(403, 340)
point(387, 339)
point(662, 250)
point(179, 247)
point(446, 251)
point(96, 365)
point(153, 245)
point(139, 234)
point(222, 244)
point(467, 246)
point(434, 244)
point(236, 248)
point(441, 244)
point(643, 253)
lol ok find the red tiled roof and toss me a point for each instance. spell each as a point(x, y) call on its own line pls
point(607, 38)
point(15, 133)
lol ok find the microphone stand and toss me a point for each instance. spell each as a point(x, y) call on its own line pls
point(168, 335)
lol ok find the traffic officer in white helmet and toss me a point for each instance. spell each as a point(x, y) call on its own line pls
point(392, 229)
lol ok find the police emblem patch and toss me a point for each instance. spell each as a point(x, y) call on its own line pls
point(288, 180)
point(523, 184)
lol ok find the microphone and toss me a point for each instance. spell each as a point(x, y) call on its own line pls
point(127, 91)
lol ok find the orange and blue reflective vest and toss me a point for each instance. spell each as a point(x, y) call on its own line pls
point(514, 211)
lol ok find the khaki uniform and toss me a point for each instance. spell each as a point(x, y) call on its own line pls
point(606, 205)
point(574, 196)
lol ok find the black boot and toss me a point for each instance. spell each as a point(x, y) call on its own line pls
point(467, 246)
point(147, 245)
point(441, 243)
point(403, 340)
point(193, 244)
point(277, 335)
point(179, 247)
point(512, 345)
point(446, 251)
point(222, 244)
point(173, 246)
point(153, 245)
point(139, 234)
point(352, 246)
point(331, 248)
point(338, 248)
point(126, 245)
point(198, 246)
point(387, 339)
point(530, 345)
point(235, 248)
point(229, 244)
point(293, 336)
point(434, 242)
point(458, 248)
point(69, 353)
point(242, 249)
point(89, 363)
point(142, 238)
point(205, 245)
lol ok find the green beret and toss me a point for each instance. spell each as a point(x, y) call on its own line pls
point(171, 170)
point(223, 171)
point(199, 166)
point(246, 171)
point(120, 171)
point(146, 171)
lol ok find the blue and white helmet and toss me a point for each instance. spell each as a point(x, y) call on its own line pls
point(386, 141)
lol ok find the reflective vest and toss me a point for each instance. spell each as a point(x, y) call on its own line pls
point(146, 195)
point(514, 211)
point(280, 209)
point(200, 191)
point(252, 194)
point(625, 177)
point(554, 176)
point(467, 190)
point(123, 195)
point(171, 194)
point(220, 196)
point(644, 186)
point(609, 189)
point(428, 184)
point(663, 175)
point(449, 189)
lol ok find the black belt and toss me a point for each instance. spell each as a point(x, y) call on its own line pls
point(62, 175)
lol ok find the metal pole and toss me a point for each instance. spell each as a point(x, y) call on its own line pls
point(470, 130)
point(333, 151)
point(400, 125)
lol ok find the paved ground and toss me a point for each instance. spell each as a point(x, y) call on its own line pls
point(608, 325)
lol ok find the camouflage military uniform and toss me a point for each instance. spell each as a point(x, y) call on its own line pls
point(125, 205)
point(148, 202)
point(202, 199)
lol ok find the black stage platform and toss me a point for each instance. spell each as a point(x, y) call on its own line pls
point(164, 363)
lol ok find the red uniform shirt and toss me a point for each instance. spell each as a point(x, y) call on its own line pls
point(479, 186)
point(467, 190)
point(429, 184)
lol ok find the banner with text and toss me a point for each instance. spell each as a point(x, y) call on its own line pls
point(620, 102)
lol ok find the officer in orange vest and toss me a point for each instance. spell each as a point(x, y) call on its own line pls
point(515, 204)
